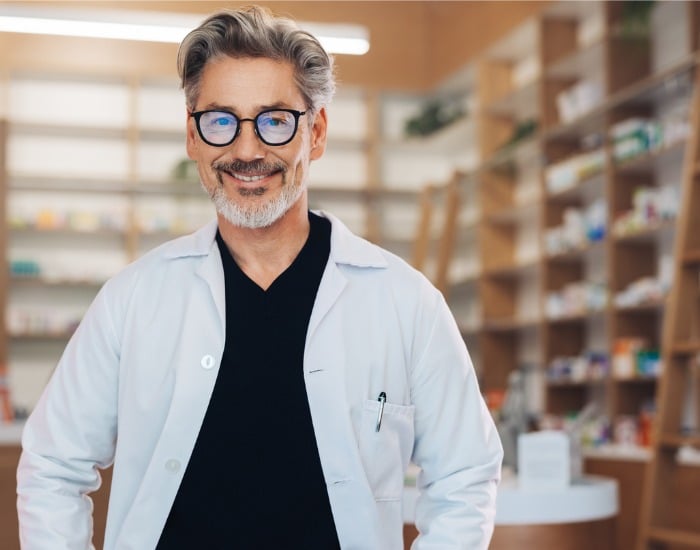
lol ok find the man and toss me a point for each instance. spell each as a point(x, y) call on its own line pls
point(264, 382)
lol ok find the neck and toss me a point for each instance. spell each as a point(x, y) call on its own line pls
point(264, 253)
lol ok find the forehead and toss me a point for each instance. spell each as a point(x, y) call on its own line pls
point(248, 83)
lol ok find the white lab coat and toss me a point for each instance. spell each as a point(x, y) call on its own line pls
point(135, 380)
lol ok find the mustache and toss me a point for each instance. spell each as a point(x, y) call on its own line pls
point(248, 168)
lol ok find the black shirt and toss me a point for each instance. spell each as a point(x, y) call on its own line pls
point(254, 479)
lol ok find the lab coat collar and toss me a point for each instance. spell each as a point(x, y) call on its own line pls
point(346, 247)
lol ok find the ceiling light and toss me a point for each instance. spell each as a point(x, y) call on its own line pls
point(153, 27)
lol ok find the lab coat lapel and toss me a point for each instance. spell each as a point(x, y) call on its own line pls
point(351, 500)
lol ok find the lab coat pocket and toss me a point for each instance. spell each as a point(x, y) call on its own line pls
point(386, 452)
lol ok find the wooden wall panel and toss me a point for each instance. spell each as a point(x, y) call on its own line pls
point(414, 45)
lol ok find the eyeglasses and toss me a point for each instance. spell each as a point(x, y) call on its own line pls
point(272, 126)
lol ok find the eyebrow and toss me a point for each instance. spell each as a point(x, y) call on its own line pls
point(260, 108)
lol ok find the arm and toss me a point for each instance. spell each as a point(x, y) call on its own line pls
point(457, 446)
point(70, 433)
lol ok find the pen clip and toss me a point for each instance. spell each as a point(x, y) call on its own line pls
point(382, 400)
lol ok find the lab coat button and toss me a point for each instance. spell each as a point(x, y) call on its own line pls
point(172, 465)
point(207, 362)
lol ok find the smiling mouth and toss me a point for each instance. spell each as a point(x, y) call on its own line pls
point(250, 179)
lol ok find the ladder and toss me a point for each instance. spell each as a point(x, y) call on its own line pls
point(448, 196)
point(663, 522)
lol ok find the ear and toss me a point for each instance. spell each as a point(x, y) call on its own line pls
point(318, 134)
point(192, 141)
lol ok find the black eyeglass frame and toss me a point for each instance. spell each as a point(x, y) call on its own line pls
point(197, 115)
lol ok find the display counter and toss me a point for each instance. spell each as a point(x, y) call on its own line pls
point(581, 516)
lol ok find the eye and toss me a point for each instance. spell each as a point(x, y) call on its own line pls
point(221, 121)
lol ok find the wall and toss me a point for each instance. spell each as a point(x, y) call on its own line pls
point(414, 45)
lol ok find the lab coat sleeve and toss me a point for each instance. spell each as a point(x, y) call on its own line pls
point(70, 433)
point(456, 446)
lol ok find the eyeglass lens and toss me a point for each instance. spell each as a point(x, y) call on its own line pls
point(273, 127)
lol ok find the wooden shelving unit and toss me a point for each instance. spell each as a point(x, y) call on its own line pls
point(540, 296)
point(665, 480)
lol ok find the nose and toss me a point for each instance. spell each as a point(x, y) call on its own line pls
point(247, 145)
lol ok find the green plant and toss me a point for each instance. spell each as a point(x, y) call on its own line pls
point(434, 116)
point(635, 18)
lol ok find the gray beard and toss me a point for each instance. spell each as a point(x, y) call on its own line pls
point(256, 216)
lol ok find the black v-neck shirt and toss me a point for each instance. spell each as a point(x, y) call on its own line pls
point(254, 480)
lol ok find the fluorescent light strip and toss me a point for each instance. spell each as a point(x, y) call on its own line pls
point(143, 32)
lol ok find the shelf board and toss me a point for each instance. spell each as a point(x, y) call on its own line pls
point(580, 189)
point(512, 271)
point(510, 325)
point(590, 122)
point(676, 440)
point(469, 329)
point(575, 318)
point(76, 184)
point(68, 130)
point(577, 254)
point(582, 62)
point(521, 103)
point(41, 336)
point(523, 152)
point(67, 231)
point(556, 384)
point(651, 306)
point(637, 379)
point(614, 451)
point(43, 281)
point(691, 257)
point(515, 213)
point(647, 91)
point(644, 163)
point(674, 536)
point(646, 234)
point(686, 348)
point(656, 88)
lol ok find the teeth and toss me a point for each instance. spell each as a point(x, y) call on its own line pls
point(249, 179)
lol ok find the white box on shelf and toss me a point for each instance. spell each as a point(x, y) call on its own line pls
point(544, 460)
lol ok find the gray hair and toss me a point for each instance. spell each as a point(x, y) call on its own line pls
point(254, 32)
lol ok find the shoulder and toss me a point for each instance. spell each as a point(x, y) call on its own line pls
point(178, 256)
point(360, 259)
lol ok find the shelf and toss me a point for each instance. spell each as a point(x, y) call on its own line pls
point(618, 452)
point(44, 281)
point(41, 336)
point(647, 234)
point(79, 184)
point(66, 231)
point(591, 122)
point(523, 152)
point(686, 348)
point(691, 257)
point(66, 130)
point(581, 189)
point(554, 384)
point(672, 536)
point(514, 214)
point(675, 441)
point(512, 271)
point(636, 380)
point(510, 325)
point(577, 254)
point(654, 306)
point(643, 163)
point(582, 62)
point(657, 88)
point(520, 104)
point(581, 317)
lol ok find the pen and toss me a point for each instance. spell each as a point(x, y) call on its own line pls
point(382, 400)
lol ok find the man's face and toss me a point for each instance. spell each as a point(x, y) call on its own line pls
point(253, 184)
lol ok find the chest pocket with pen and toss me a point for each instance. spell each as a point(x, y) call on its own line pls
point(386, 442)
